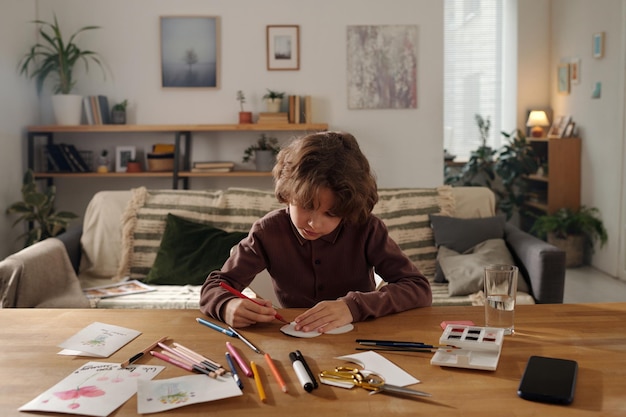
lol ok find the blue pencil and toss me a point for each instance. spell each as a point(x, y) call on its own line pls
point(214, 326)
point(231, 365)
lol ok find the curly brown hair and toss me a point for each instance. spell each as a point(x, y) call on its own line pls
point(330, 160)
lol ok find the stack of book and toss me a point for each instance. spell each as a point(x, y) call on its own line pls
point(65, 158)
point(96, 110)
point(300, 109)
point(213, 166)
point(275, 118)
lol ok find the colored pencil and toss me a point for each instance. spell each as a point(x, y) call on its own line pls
point(142, 353)
point(242, 295)
point(275, 372)
point(242, 364)
point(257, 381)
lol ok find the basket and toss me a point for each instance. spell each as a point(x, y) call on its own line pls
point(160, 162)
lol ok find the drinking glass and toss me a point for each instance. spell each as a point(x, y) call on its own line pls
point(500, 292)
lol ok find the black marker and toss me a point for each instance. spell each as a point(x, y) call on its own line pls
point(300, 357)
point(301, 373)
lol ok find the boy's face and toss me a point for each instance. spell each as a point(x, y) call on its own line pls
point(317, 222)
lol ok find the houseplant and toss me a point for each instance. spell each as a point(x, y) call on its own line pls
point(244, 116)
point(56, 57)
point(118, 113)
point(37, 208)
point(572, 231)
point(264, 152)
point(273, 100)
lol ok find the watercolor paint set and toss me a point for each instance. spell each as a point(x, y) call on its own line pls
point(477, 347)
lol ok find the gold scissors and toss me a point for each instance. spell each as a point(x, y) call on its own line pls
point(369, 381)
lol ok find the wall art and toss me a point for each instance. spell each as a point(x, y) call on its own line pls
point(190, 51)
point(382, 67)
point(283, 47)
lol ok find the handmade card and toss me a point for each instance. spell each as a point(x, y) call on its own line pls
point(98, 340)
point(94, 389)
point(117, 289)
point(166, 394)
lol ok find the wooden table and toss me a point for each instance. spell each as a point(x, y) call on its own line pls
point(592, 334)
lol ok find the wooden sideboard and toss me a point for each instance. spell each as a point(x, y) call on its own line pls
point(591, 334)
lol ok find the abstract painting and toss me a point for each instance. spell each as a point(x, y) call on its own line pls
point(382, 67)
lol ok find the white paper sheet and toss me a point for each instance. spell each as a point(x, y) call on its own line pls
point(378, 364)
point(166, 394)
point(98, 340)
point(94, 389)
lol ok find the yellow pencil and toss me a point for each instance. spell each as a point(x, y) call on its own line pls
point(257, 380)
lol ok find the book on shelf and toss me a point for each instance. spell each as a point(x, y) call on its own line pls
point(213, 164)
point(65, 158)
point(77, 162)
point(96, 110)
point(281, 117)
point(300, 109)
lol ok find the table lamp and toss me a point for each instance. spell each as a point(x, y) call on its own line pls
point(536, 121)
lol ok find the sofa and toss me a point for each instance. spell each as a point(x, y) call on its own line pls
point(128, 235)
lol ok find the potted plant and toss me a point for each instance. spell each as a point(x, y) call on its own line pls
point(118, 113)
point(264, 152)
point(273, 99)
point(37, 209)
point(56, 57)
point(572, 231)
point(245, 117)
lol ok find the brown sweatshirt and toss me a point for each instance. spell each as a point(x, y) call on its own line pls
point(339, 265)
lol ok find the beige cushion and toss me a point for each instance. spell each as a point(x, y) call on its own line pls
point(232, 210)
point(405, 213)
point(473, 202)
point(102, 233)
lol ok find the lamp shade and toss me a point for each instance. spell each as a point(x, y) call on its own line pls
point(537, 118)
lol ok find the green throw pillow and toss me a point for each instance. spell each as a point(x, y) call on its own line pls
point(189, 251)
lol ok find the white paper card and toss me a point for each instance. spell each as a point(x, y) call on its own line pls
point(166, 394)
point(98, 340)
point(94, 389)
point(378, 364)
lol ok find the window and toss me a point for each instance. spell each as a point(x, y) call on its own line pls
point(475, 65)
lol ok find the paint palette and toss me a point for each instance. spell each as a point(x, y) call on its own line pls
point(478, 347)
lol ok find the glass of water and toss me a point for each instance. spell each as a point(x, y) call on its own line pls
point(500, 292)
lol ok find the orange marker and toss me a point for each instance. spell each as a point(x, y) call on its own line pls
point(274, 370)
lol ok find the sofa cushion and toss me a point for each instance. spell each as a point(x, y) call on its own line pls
point(189, 251)
point(405, 213)
point(143, 224)
point(462, 234)
point(465, 270)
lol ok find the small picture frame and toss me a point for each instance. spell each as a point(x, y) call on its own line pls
point(557, 130)
point(563, 78)
point(123, 154)
point(598, 45)
point(569, 130)
point(283, 47)
point(574, 71)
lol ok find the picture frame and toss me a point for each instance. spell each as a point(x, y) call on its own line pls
point(190, 51)
point(598, 45)
point(569, 130)
point(283, 47)
point(574, 71)
point(123, 154)
point(563, 81)
point(557, 130)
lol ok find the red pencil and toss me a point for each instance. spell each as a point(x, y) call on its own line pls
point(242, 295)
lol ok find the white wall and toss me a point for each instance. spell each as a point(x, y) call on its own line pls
point(600, 121)
point(18, 108)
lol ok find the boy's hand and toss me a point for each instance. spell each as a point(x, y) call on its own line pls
point(239, 312)
point(324, 316)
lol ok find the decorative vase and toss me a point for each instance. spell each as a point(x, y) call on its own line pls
point(272, 105)
point(133, 166)
point(103, 164)
point(264, 160)
point(245, 117)
point(67, 108)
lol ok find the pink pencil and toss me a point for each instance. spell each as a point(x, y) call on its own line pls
point(242, 364)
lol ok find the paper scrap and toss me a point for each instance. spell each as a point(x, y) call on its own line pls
point(378, 364)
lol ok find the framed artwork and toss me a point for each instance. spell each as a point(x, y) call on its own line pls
point(190, 51)
point(563, 78)
point(574, 71)
point(569, 130)
point(557, 130)
point(123, 154)
point(283, 47)
point(382, 67)
point(598, 45)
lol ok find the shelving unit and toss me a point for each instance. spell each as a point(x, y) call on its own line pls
point(559, 187)
point(182, 145)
